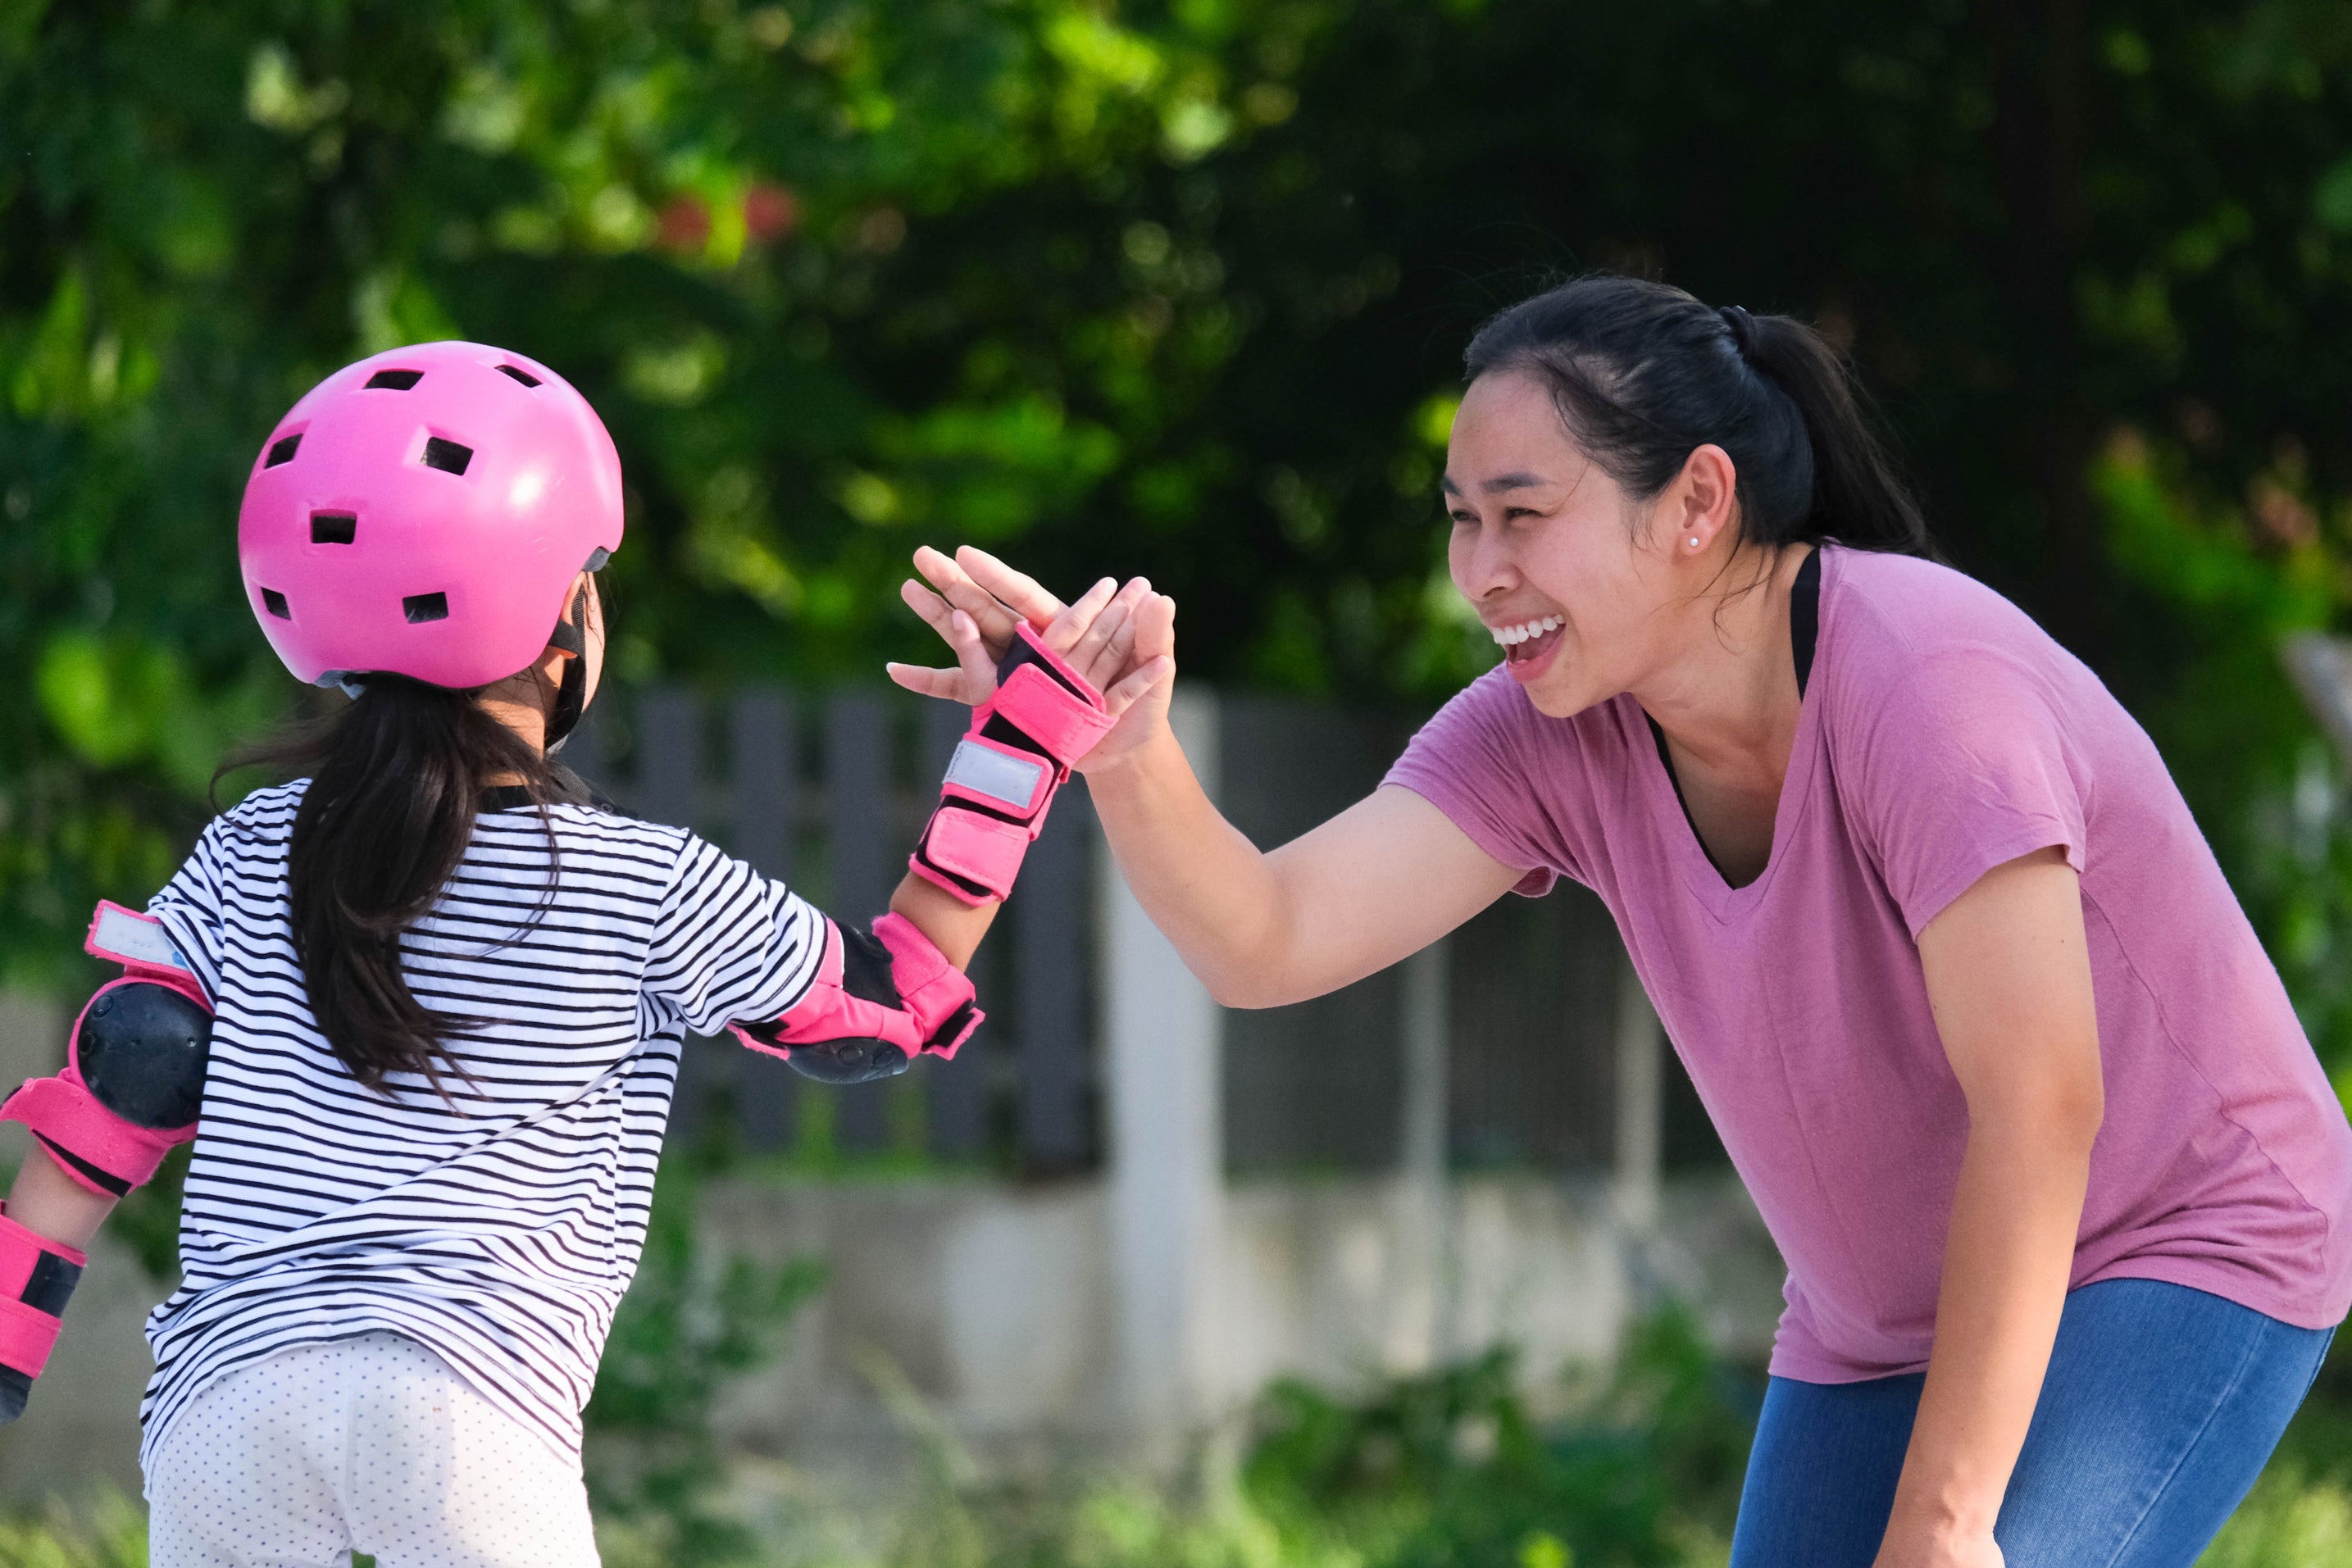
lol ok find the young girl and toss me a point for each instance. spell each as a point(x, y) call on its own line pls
point(2062, 1189)
point(429, 1000)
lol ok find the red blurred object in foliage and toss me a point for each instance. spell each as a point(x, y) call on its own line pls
point(684, 225)
point(770, 212)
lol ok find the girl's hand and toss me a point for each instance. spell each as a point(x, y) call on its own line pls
point(1124, 642)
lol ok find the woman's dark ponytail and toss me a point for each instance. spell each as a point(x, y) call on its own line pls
point(396, 780)
point(1642, 373)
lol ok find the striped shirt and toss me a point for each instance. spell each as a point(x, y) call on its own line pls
point(497, 1225)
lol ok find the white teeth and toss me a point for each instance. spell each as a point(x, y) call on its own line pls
point(1511, 636)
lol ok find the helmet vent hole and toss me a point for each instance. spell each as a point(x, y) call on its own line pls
point(275, 602)
point(525, 377)
point(446, 456)
point(283, 451)
point(333, 527)
point(393, 380)
point(422, 607)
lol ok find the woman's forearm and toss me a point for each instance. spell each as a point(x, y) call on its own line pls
point(1198, 878)
point(2007, 1263)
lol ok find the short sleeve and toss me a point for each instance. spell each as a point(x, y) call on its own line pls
point(1963, 766)
point(1477, 762)
point(191, 907)
point(729, 945)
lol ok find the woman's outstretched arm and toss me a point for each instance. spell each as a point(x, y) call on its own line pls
point(1377, 882)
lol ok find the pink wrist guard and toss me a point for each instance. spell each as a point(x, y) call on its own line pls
point(37, 1277)
point(878, 1002)
point(135, 1074)
point(1006, 772)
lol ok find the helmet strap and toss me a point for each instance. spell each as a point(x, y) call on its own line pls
point(571, 636)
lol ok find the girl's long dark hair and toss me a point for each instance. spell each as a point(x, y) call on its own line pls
point(396, 780)
point(1644, 374)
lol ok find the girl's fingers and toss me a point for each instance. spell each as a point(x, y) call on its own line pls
point(927, 683)
point(1023, 594)
point(979, 668)
point(995, 621)
point(933, 609)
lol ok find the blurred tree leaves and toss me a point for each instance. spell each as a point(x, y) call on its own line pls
point(1172, 286)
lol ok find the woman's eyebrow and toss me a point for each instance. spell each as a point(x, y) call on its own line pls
point(1497, 485)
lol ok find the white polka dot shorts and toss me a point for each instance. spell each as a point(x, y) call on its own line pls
point(369, 1445)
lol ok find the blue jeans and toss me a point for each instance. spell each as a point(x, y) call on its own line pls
point(2161, 1405)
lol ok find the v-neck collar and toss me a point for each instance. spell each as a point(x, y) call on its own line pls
point(1696, 863)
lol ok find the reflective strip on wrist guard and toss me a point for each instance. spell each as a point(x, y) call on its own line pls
point(1007, 770)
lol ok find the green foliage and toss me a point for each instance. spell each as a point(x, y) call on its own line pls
point(2224, 591)
point(1446, 1468)
point(689, 1326)
point(109, 1534)
point(1450, 1468)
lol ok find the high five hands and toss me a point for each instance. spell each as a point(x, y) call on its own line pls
point(1123, 639)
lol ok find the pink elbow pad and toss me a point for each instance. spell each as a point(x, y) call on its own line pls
point(878, 1001)
point(1006, 772)
point(135, 1074)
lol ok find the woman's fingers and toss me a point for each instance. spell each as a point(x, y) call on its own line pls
point(1063, 631)
point(1023, 594)
point(1137, 685)
point(1101, 654)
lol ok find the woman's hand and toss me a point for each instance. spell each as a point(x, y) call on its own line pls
point(1122, 640)
point(1923, 1547)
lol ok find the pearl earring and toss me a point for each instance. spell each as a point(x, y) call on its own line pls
point(1694, 541)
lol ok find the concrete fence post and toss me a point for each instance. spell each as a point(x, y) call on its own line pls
point(1423, 1332)
point(1164, 1042)
point(1641, 1104)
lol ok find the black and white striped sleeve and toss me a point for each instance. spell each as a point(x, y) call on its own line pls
point(729, 945)
point(190, 907)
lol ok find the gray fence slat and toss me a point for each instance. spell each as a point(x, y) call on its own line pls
point(583, 751)
point(857, 803)
point(765, 789)
point(669, 756)
point(1051, 987)
point(955, 1092)
point(766, 784)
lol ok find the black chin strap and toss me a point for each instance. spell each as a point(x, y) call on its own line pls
point(571, 636)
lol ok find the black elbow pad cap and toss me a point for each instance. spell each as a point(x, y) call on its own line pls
point(142, 1050)
point(852, 1061)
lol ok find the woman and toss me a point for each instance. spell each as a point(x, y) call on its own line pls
point(2059, 1182)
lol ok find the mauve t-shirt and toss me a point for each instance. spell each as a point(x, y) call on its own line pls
point(1941, 734)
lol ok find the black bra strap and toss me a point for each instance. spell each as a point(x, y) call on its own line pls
point(1805, 615)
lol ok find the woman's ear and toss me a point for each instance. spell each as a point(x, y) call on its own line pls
point(1702, 502)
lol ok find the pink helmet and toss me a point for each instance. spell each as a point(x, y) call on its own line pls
point(422, 513)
